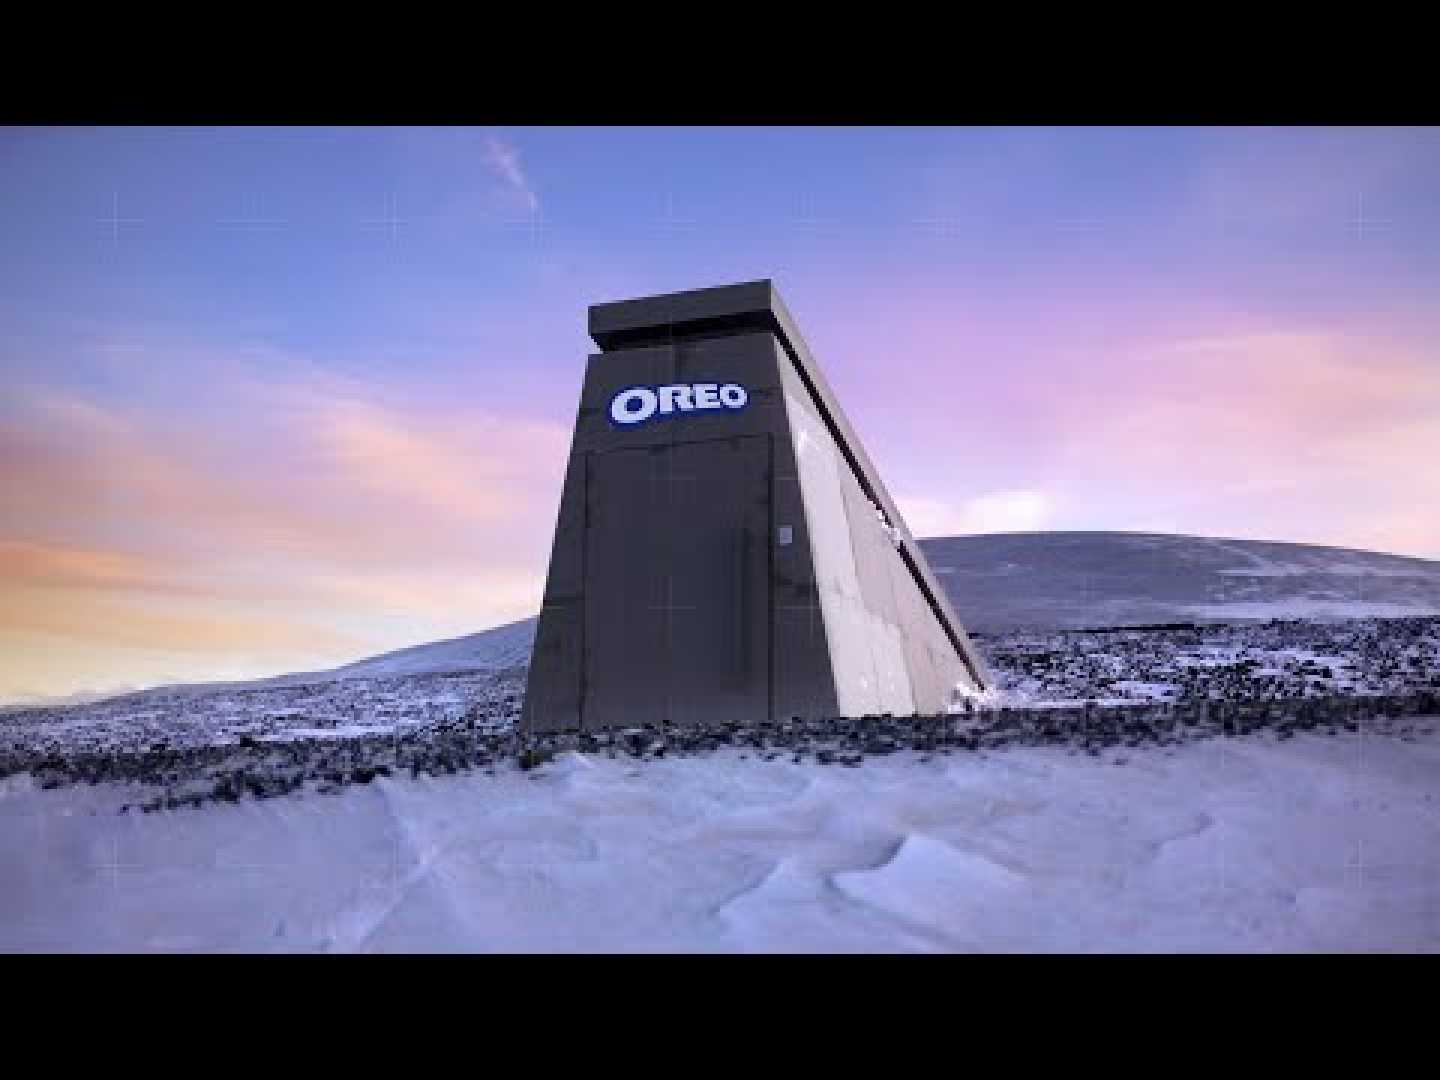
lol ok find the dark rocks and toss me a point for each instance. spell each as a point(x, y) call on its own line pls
point(1236, 699)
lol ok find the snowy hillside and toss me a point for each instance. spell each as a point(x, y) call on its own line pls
point(1048, 580)
point(488, 650)
point(1269, 661)
point(1070, 580)
point(1039, 582)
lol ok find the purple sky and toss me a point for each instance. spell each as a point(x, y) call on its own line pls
point(280, 398)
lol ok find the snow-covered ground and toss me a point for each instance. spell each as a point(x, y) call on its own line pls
point(380, 807)
point(1318, 842)
point(220, 713)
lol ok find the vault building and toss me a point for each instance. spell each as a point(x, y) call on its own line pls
point(725, 549)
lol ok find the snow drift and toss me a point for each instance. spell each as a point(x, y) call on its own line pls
point(1316, 843)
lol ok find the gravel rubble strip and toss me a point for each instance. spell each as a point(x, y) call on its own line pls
point(167, 777)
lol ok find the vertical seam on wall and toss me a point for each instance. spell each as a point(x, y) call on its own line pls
point(809, 533)
point(770, 546)
point(584, 664)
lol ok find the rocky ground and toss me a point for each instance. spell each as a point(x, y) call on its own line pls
point(1092, 692)
point(1223, 661)
point(227, 714)
point(171, 777)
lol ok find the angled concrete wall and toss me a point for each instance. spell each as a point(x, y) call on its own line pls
point(729, 562)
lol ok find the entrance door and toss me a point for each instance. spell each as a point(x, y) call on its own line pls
point(677, 583)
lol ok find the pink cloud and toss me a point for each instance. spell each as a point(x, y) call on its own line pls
point(1132, 412)
point(307, 517)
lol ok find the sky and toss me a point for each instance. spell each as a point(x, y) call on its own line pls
point(277, 399)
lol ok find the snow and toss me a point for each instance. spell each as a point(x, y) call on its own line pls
point(1303, 843)
point(1309, 607)
point(340, 731)
point(1231, 661)
point(268, 710)
point(1050, 580)
point(1227, 661)
point(1313, 843)
point(500, 647)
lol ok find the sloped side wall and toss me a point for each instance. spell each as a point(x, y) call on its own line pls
point(891, 654)
point(860, 616)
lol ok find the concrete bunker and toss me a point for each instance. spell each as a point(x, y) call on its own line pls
point(724, 548)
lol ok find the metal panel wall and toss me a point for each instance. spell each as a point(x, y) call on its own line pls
point(677, 586)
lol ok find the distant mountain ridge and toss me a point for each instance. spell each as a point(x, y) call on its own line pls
point(494, 649)
point(1073, 580)
point(1060, 580)
point(1002, 582)
point(499, 647)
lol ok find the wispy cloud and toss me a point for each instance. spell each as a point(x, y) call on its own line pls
point(1297, 435)
point(271, 516)
point(67, 566)
point(504, 160)
point(1134, 412)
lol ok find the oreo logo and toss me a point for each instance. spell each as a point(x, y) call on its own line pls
point(636, 404)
